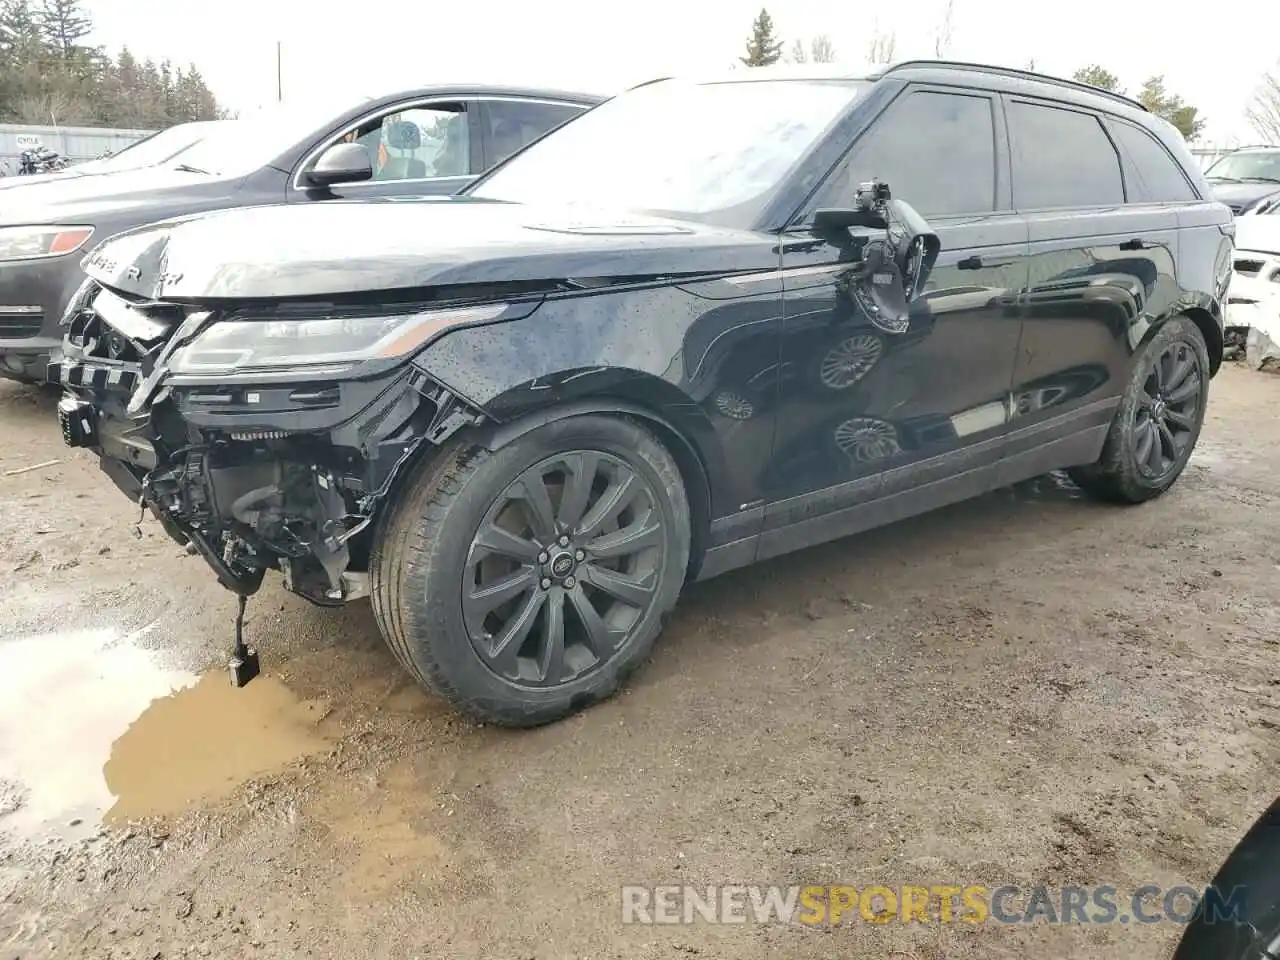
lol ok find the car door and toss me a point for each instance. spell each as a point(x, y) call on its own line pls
point(508, 124)
point(1103, 252)
point(869, 410)
point(416, 148)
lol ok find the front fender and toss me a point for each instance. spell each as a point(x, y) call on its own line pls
point(601, 354)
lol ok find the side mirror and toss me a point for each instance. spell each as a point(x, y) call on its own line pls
point(341, 163)
point(916, 247)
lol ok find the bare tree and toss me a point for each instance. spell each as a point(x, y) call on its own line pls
point(797, 52)
point(881, 47)
point(1264, 113)
point(823, 50)
point(942, 38)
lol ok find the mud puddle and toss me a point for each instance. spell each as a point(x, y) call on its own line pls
point(94, 730)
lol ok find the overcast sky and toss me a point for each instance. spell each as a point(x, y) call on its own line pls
point(330, 46)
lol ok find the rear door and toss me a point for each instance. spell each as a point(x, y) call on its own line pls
point(868, 410)
point(1103, 252)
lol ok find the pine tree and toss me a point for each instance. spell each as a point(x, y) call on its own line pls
point(64, 24)
point(763, 49)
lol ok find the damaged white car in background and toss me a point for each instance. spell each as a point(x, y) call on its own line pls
point(1253, 307)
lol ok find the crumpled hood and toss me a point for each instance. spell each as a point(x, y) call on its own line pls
point(340, 247)
point(1260, 234)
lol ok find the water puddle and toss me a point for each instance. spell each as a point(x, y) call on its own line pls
point(94, 730)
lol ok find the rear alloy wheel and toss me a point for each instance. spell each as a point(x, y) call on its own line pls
point(1158, 422)
point(525, 583)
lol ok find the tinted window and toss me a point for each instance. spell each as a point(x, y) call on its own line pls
point(1152, 174)
point(935, 150)
point(513, 124)
point(1061, 159)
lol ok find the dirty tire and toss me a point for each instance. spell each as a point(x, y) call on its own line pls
point(1117, 477)
point(420, 559)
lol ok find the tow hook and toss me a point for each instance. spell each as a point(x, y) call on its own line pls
point(243, 665)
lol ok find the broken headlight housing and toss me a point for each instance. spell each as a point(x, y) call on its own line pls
point(320, 344)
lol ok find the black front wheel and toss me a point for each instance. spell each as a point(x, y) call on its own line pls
point(1158, 421)
point(525, 583)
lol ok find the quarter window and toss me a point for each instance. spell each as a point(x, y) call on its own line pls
point(1152, 175)
point(513, 124)
point(935, 150)
point(1061, 158)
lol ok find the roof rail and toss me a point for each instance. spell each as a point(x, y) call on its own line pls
point(1020, 74)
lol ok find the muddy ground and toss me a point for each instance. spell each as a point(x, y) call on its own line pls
point(1028, 688)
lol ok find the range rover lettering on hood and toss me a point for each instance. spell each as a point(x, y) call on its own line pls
point(317, 250)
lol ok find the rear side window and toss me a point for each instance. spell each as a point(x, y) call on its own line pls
point(1153, 176)
point(515, 123)
point(1061, 158)
point(935, 150)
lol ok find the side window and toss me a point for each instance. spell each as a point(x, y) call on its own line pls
point(1061, 158)
point(514, 123)
point(1152, 175)
point(418, 143)
point(935, 150)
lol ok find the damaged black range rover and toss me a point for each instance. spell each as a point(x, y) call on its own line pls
point(520, 420)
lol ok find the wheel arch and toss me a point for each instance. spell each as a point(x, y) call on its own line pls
point(691, 457)
point(1212, 333)
point(1205, 322)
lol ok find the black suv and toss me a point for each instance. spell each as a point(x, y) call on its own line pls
point(704, 324)
point(425, 141)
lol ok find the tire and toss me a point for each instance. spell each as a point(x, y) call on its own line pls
point(1253, 868)
point(426, 564)
point(1118, 475)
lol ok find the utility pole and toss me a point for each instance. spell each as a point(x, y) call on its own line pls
point(279, 75)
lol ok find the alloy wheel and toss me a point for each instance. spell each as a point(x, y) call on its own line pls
point(563, 568)
point(1165, 419)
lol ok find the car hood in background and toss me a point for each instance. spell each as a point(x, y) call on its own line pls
point(39, 179)
point(352, 247)
point(1259, 234)
point(79, 200)
point(1241, 194)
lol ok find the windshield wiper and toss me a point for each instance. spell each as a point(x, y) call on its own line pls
point(1263, 179)
point(188, 168)
point(1223, 179)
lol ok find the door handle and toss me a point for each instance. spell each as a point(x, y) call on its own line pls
point(1136, 243)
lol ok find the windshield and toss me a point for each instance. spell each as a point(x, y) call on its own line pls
point(1264, 166)
point(714, 152)
point(153, 150)
point(238, 147)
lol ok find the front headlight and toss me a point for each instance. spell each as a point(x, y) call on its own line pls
point(35, 243)
point(332, 343)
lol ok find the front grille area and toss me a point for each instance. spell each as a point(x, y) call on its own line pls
point(16, 326)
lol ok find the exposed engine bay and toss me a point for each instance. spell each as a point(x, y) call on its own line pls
point(253, 476)
point(247, 496)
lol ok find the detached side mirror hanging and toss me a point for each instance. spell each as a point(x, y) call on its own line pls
point(916, 247)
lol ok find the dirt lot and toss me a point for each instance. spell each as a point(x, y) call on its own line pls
point(1029, 688)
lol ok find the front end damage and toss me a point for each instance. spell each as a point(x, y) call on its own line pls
point(282, 468)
